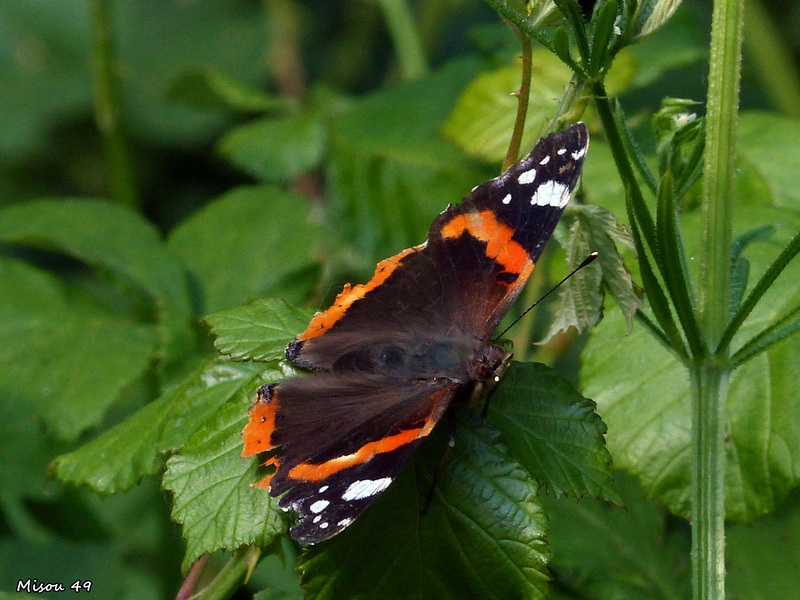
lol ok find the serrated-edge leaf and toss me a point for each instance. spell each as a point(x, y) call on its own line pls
point(211, 483)
point(553, 431)
point(580, 299)
point(119, 457)
point(258, 331)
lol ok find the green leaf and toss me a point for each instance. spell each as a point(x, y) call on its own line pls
point(529, 16)
point(604, 551)
point(649, 419)
point(251, 242)
point(258, 331)
point(69, 385)
point(209, 88)
point(740, 266)
point(115, 240)
point(484, 116)
point(482, 536)
point(651, 15)
point(118, 458)
point(553, 432)
point(277, 148)
point(603, 24)
point(386, 180)
point(674, 268)
point(214, 500)
point(580, 302)
point(768, 574)
point(769, 143)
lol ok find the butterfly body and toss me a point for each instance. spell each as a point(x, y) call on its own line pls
point(389, 357)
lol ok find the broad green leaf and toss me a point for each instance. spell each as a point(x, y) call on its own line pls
point(483, 118)
point(251, 242)
point(209, 88)
point(214, 500)
point(135, 448)
point(482, 535)
point(277, 148)
point(258, 331)
point(643, 394)
point(762, 557)
point(605, 551)
point(114, 240)
point(63, 355)
point(553, 432)
point(387, 180)
point(770, 144)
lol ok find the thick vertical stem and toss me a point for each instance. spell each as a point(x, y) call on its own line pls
point(710, 378)
point(107, 105)
point(710, 392)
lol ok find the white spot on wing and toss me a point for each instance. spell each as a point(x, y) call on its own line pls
point(345, 522)
point(578, 154)
point(319, 506)
point(561, 151)
point(551, 193)
point(323, 525)
point(527, 177)
point(506, 199)
point(545, 160)
point(317, 519)
point(364, 488)
point(323, 489)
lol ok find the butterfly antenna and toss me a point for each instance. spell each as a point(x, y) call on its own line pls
point(586, 261)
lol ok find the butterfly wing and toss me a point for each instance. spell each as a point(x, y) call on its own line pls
point(342, 438)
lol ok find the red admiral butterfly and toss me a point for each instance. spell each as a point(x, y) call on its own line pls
point(390, 356)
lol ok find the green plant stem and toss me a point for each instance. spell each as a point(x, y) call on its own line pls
point(709, 379)
point(107, 106)
point(776, 68)
point(523, 98)
point(406, 37)
point(232, 575)
point(710, 393)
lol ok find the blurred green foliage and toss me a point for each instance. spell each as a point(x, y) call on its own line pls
point(278, 151)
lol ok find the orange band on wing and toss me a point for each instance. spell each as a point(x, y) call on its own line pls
point(311, 472)
point(500, 246)
point(323, 321)
point(257, 434)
